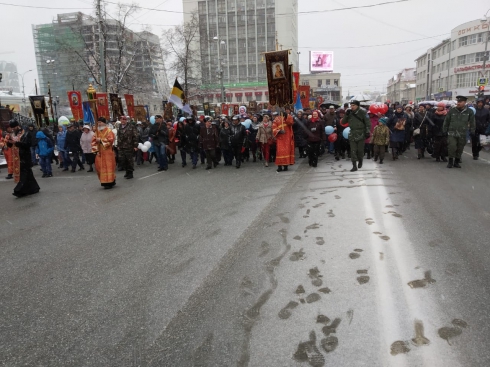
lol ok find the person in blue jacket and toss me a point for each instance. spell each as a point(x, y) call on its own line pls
point(60, 142)
point(44, 149)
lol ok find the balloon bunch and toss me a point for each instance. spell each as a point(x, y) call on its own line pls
point(378, 108)
point(144, 147)
point(332, 136)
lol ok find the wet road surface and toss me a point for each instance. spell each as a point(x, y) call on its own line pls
point(386, 266)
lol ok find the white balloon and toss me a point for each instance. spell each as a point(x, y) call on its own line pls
point(144, 149)
point(140, 146)
point(147, 144)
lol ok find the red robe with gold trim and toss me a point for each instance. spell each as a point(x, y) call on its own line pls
point(105, 160)
point(284, 142)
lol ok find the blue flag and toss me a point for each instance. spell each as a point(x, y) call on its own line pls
point(88, 116)
point(298, 106)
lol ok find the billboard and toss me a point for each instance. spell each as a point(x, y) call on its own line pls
point(321, 61)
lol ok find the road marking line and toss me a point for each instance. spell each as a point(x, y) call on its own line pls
point(154, 174)
point(480, 159)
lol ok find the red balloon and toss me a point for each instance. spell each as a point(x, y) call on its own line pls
point(383, 108)
point(374, 109)
point(332, 137)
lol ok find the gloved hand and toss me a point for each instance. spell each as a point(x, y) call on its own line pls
point(347, 113)
point(368, 135)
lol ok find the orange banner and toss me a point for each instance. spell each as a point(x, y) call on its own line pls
point(304, 95)
point(129, 104)
point(295, 86)
point(75, 99)
point(102, 106)
point(224, 109)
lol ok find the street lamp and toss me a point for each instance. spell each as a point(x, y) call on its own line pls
point(220, 68)
point(56, 103)
point(486, 20)
point(23, 91)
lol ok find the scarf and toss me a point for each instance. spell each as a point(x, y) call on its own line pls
point(441, 113)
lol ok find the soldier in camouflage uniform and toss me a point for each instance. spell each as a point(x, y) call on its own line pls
point(360, 130)
point(127, 144)
point(456, 125)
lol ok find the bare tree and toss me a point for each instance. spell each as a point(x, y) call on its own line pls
point(180, 53)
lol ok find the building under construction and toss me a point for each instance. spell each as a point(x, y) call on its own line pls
point(67, 58)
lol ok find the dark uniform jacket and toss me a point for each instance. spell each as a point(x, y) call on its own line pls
point(482, 120)
point(72, 141)
point(315, 131)
point(359, 124)
point(208, 137)
point(238, 135)
point(159, 134)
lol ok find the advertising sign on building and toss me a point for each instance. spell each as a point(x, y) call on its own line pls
point(321, 61)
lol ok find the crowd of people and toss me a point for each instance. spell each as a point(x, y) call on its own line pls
point(352, 131)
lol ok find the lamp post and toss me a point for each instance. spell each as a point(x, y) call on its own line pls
point(23, 91)
point(485, 20)
point(56, 102)
point(220, 69)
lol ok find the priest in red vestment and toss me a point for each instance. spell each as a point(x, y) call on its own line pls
point(282, 129)
point(105, 160)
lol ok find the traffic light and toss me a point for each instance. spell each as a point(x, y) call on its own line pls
point(481, 91)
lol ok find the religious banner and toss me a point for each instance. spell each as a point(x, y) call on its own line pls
point(121, 106)
point(217, 111)
point(38, 105)
point(252, 106)
point(279, 75)
point(225, 109)
point(116, 107)
point(206, 109)
point(88, 115)
point(235, 109)
point(102, 106)
point(304, 95)
point(168, 113)
point(312, 104)
point(75, 100)
point(295, 85)
point(130, 104)
point(140, 113)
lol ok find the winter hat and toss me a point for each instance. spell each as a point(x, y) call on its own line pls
point(383, 120)
point(357, 103)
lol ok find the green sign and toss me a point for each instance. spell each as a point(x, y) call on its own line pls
point(235, 85)
point(482, 82)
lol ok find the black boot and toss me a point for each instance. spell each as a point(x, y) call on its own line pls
point(285, 168)
point(456, 163)
point(380, 161)
point(354, 167)
point(438, 159)
point(337, 157)
point(90, 169)
point(443, 159)
point(450, 163)
point(376, 158)
point(368, 155)
point(360, 162)
point(129, 175)
point(255, 158)
point(9, 176)
point(279, 168)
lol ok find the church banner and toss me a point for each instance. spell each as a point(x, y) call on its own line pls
point(102, 106)
point(140, 113)
point(304, 95)
point(116, 107)
point(75, 99)
point(279, 77)
point(224, 109)
point(130, 104)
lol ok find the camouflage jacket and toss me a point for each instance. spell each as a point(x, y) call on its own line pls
point(127, 137)
point(381, 135)
point(458, 122)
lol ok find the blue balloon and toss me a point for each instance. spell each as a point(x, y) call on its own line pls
point(346, 132)
point(329, 130)
point(473, 109)
point(247, 123)
point(152, 120)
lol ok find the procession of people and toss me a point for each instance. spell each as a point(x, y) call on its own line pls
point(355, 131)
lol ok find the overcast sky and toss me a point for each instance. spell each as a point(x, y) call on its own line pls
point(367, 68)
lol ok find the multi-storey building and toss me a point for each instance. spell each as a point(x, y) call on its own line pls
point(454, 66)
point(325, 85)
point(67, 55)
point(10, 78)
point(401, 88)
point(241, 31)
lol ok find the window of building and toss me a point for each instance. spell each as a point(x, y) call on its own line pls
point(453, 45)
point(463, 41)
point(249, 98)
point(479, 56)
point(319, 83)
point(452, 62)
point(461, 60)
point(327, 81)
point(258, 98)
point(466, 80)
point(470, 58)
point(475, 38)
point(336, 82)
point(239, 99)
point(444, 49)
point(305, 82)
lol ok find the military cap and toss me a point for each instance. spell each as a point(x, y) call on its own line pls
point(356, 103)
point(461, 98)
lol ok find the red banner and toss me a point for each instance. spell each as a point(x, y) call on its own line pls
point(295, 86)
point(304, 95)
point(130, 104)
point(224, 109)
point(102, 105)
point(235, 109)
point(75, 99)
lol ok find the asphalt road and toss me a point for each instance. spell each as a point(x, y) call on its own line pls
point(387, 266)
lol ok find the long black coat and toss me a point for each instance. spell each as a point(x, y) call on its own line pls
point(299, 131)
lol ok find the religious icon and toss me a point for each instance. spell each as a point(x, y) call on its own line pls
point(74, 99)
point(101, 101)
point(37, 104)
point(278, 70)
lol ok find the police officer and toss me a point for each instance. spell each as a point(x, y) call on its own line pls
point(456, 125)
point(127, 144)
point(360, 128)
